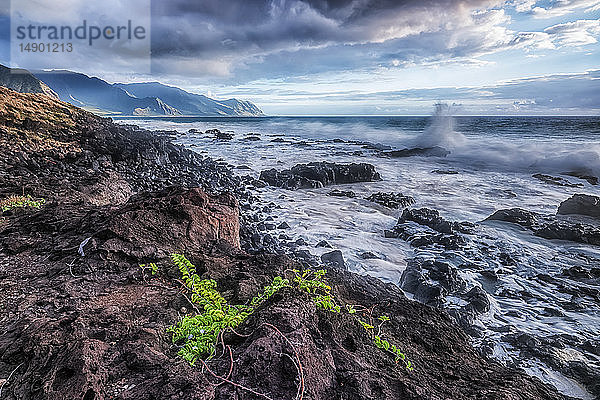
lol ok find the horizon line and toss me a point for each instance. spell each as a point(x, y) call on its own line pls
point(343, 115)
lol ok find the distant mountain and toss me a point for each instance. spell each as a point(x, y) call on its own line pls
point(190, 103)
point(140, 98)
point(101, 97)
point(21, 80)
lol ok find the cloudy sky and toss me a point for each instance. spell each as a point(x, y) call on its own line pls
point(355, 56)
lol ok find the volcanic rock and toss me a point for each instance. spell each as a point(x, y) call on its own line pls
point(319, 174)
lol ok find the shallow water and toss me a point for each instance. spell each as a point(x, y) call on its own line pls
point(495, 158)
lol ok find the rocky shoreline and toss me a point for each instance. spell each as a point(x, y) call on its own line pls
point(82, 320)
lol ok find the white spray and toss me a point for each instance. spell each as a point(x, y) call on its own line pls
point(441, 130)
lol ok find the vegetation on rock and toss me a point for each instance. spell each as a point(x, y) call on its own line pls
point(14, 201)
point(199, 334)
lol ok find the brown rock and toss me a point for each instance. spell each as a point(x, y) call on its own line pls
point(178, 218)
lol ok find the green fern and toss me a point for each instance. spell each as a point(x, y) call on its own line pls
point(199, 334)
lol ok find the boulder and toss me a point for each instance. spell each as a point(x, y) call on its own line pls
point(391, 200)
point(367, 255)
point(592, 180)
point(427, 217)
point(518, 216)
point(342, 193)
point(319, 174)
point(556, 180)
point(581, 204)
point(219, 135)
point(334, 258)
point(323, 243)
point(478, 301)
point(283, 225)
point(185, 219)
point(445, 274)
point(564, 230)
point(412, 277)
point(549, 227)
point(430, 294)
point(434, 151)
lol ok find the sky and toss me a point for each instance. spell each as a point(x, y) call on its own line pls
point(342, 57)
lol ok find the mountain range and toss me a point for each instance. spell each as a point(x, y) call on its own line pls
point(141, 99)
point(21, 80)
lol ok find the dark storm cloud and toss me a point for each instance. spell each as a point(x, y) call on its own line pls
point(277, 24)
point(244, 40)
point(240, 34)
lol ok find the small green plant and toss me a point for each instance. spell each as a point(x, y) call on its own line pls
point(313, 283)
point(382, 343)
point(14, 201)
point(269, 290)
point(151, 266)
point(199, 334)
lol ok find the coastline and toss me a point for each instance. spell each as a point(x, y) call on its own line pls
point(82, 321)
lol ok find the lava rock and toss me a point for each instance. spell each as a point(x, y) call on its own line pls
point(432, 219)
point(430, 294)
point(556, 180)
point(391, 200)
point(301, 242)
point(478, 300)
point(581, 204)
point(319, 174)
point(283, 225)
point(219, 135)
point(367, 255)
point(342, 193)
point(434, 151)
point(517, 216)
point(427, 217)
point(412, 277)
point(573, 232)
point(592, 180)
point(334, 257)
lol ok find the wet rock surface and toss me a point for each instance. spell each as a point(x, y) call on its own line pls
point(334, 258)
point(391, 200)
point(591, 179)
point(441, 231)
point(435, 151)
point(444, 172)
point(81, 320)
point(342, 193)
point(581, 204)
point(439, 281)
point(219, 135)
point(556, 180)
point(319, 174)
point(549, 227)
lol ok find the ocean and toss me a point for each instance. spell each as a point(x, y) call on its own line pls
point(495, 159)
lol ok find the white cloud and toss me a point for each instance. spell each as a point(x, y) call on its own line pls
point(524, 5)
point(578, 33)
point(563, 7)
